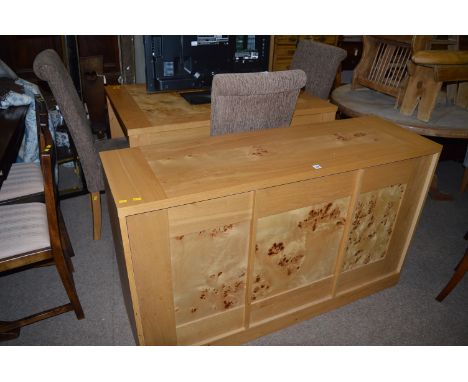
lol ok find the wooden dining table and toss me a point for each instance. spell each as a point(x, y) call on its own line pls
point(11, 135)
point(448, 121)
point(163, 117)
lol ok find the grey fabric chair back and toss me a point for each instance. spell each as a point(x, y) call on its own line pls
point(320, 63)
point(49, 67)
point(254, 101)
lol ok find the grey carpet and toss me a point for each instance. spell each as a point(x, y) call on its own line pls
point(406, 314)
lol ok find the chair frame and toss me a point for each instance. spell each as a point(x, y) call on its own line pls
point(460, 271)
point(60, 248)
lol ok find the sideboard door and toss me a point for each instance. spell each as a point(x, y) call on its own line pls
point(209, 245)
point(382, 222)
point(298, 234)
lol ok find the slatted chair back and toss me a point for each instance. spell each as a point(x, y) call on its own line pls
point(383, 65)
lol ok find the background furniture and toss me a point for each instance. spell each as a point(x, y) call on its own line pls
point(251, 232)
point(11, 134)
point(92, 83)
point(25, 182)
point(167, 117)
point(449, 121)
point(460, 271)
point(50, 68)
point(383, 63)
point(428, 70)
point(320, 63)
point(32, 234)
point(254, 101)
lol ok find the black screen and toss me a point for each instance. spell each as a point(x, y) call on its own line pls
point(185, 62)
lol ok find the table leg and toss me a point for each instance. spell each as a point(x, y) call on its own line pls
point(435, 193)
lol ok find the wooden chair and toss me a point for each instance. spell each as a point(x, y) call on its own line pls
point(428, 70)
point(383, 63)
point(49, 67)
point(32, 234)
point(460, 271)
point(320, 63)
point(254, 101)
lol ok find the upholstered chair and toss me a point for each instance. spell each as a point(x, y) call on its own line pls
point(252, 101)
point(49, 67)
point(320, 63)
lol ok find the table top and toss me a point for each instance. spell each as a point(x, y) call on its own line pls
point(160, 176)
point(11, 134)
point(139, 111)
point(448, 121)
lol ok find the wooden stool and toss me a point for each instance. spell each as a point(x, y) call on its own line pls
point(427, 71)
point(460, 271)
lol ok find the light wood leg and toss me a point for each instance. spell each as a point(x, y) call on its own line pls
point(116, 130)
point(96, 210)
point(462, 96)
point(452, 90)
point(422, 89)
point(431, 89)
point(411, 97)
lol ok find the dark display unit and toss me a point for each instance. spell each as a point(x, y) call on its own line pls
point(190, 62)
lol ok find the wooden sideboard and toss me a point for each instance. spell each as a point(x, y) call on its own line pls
point(223, 239)
point(167, 117)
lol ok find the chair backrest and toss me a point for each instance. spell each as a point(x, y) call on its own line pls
point(47, 155)
point(384, 59)
point(49, 67)
point(253, 101)
point(320, 62)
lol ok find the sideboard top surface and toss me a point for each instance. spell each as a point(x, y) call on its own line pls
point(160, 176)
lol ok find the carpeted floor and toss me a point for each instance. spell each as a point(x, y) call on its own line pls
point(406, 314)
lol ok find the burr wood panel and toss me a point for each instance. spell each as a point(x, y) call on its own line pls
point(372, 226)
point(298, 247)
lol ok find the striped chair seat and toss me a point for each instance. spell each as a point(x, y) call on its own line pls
point(23, 228)
point(23, 179)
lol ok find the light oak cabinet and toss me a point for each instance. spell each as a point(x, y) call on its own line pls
point(232, 237)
